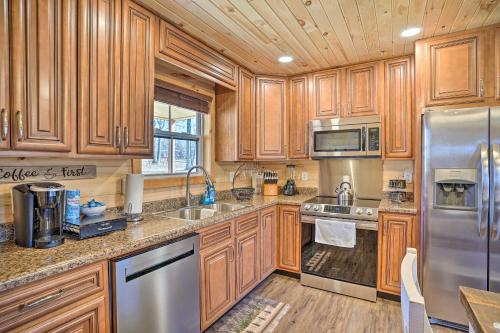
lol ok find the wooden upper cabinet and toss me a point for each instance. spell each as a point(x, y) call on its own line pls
point(298, 118)
point(137, 79)
point(4, 76)
point(398, 109)
point(396, 233)
point(271, 118)
point(217, 282)
point(362, 90)
point(454, 69)
point(325, 95)
point(176, 47)
point(497, 63)
point(268, 226)
point(246, 115)
point(99, 121)
point(289, 241)
point(44, 58)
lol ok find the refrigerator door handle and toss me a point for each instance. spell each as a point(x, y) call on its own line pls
point(495, 220)
point(485, 191)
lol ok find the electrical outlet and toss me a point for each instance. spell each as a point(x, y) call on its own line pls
point(408, 176)
point(304, 175)
point(231, 176)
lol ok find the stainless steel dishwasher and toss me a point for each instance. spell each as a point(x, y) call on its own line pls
point(158, 290)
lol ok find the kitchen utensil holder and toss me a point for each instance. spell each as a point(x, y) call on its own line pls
point(270, 189)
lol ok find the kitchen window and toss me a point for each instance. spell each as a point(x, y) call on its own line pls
point(177, 145)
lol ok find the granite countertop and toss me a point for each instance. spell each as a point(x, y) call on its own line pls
point(388, 206)
point(482, 308)
point(20, 265)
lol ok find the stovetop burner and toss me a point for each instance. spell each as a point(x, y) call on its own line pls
point(362, 209)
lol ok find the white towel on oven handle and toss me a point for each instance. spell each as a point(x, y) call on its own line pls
point(336, 233)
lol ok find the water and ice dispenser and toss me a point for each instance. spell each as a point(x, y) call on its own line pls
point(455, 189)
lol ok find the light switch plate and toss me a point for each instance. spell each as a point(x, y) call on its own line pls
point(231, 176)
point(304, 175)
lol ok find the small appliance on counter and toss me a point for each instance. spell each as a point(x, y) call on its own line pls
point(38, 214)
point(97, 225)
point(134, 196)
point(270, 183)
point(290, 186)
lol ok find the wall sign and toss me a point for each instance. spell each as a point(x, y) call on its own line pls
point(17, 174)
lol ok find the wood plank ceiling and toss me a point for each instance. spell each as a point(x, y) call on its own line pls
point(319, 33)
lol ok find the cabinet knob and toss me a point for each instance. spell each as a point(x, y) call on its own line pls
point(20, 126)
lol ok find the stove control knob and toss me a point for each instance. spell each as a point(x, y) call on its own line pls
point(307, 207)
point(359, 211)
point(369, 211)
point(316, 208)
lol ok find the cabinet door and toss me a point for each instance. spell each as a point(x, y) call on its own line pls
point(137, 79)
point(271, 118)
point(217, 282)
point(299, 118)
point(326, 95)
point(362, 90)
point(396, 233)
point(268, 241)
point(289, 238)
point(4, 76)
point(43, 74)
point(89, 317)
point(398, 108)
point(246, 116)
point(99, 127)
point(455, 69)
point(247, 264)
point(497, 64)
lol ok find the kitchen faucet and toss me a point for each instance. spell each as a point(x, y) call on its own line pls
point(207, 178)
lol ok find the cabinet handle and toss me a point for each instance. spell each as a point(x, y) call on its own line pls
point(43, 300)
point(118, 137)
point(20, 126)
point(5, 124)
point(481, 88)
point(125, 134)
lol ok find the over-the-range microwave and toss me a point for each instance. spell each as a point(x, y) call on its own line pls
point(345, 137)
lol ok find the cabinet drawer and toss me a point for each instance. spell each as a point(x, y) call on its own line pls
point(28, 302)
point(216, 234)
point(247, 222)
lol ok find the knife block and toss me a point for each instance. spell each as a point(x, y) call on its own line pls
point(270, 190)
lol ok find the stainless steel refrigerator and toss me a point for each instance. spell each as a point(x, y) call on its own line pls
point(460, 207)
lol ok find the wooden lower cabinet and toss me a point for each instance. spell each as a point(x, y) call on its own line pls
point(268, 221)
point(217, 282)
point(289, 238)
point(75, 301)
point(247, 262)
point(396, 233)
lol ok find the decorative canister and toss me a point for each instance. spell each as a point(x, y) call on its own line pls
point(73, 206)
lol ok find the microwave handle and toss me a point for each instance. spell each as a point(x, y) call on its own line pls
point(363, 138)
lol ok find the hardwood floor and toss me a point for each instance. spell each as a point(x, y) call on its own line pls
point(314, 310)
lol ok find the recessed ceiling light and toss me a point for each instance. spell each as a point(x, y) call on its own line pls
point(410, 32)
point(284, 59)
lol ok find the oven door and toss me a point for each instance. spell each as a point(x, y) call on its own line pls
point(356, 265)
point(338, 141)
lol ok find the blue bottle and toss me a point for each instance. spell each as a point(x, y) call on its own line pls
point(72, 214)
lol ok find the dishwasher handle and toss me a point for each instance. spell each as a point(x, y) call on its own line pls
point(147, 270)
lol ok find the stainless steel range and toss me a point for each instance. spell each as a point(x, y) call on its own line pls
point(344, 270)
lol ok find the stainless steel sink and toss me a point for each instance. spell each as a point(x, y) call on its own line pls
point(202, 212)
point(226, 206)
point(191, 213)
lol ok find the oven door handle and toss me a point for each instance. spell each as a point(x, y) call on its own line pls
point(363, 139)
point(363, 225)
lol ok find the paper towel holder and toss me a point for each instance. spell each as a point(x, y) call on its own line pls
point(134, 198)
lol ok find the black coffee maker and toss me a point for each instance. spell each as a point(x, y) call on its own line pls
point(38, 214)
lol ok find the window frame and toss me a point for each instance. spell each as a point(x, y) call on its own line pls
point(177, 136)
